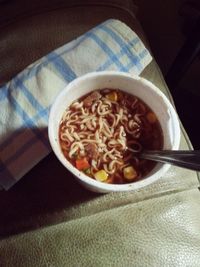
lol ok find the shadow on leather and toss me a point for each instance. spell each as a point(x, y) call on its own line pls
point(42, 197)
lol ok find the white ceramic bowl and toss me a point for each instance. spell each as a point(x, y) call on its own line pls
point(135, 85)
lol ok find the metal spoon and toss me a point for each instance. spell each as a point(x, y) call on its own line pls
point(182, 158)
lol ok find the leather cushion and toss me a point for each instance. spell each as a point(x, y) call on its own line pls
point(26, 37)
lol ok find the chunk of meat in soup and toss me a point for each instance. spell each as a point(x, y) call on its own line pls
point(88, 101)
point(91, 151)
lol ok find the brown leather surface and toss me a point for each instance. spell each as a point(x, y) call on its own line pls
point(157, 232)
point(12, 10)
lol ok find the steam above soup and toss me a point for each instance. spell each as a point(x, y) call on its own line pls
point(96, 129)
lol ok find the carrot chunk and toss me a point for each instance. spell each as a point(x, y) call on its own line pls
point(82, 164)
point(151, 117)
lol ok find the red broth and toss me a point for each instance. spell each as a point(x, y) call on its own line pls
point(96, 129)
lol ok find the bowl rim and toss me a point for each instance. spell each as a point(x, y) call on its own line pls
point(88, 180)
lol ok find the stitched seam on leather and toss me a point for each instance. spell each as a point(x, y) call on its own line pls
point(23, 16)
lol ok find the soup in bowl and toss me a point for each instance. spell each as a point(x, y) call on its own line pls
point(97, 116)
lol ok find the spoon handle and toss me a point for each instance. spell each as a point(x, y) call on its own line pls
point(185, 159)
point(182, 158)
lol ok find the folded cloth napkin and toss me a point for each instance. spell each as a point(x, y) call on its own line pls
point(26, 99)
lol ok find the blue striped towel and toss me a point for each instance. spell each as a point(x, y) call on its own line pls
point(26, 99)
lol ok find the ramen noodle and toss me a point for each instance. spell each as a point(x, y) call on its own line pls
point(96, 130)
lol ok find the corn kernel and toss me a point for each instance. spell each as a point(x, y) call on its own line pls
point(101, 176)
point(112, 96)
point(129, 173)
